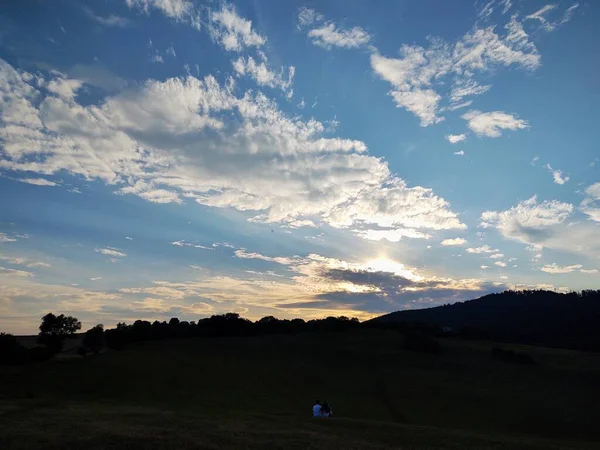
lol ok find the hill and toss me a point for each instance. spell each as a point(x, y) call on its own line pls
point(256, 392)
point(530, 317)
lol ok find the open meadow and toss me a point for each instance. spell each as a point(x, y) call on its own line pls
point(257, 392)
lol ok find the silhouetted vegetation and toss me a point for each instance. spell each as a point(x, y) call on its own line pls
point(230, 324)
point(55, 329)
point(538, 317)
point(11, 352)
point(93, 339)
point(511, 356)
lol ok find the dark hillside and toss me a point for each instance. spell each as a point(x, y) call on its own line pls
point(529, 317)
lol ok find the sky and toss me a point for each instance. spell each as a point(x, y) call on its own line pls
point(172, 158)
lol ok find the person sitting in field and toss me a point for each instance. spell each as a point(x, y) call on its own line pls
point(326, 410)
point(317, 409)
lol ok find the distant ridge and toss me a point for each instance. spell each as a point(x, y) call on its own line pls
point(545, 318)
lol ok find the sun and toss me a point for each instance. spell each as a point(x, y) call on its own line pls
point(383, 264)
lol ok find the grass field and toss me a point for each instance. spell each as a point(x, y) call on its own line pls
point(258, 393)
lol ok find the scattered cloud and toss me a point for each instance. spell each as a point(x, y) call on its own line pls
point(534, 160)
point(558, 175)
point(14, 272)
point(482, 249)
point(6, 238)
point(500, 264)
point(497, 256)
point(232, 32)
point(157, 59)
point(416, 75)
point(111, 252)
point(179, 10)
point(491, 124)
point(38, 181)
point(129, 238)
point(542, 16)
point(328, 34)
point(171, 51)
point(190, 244)
point(264, 76)
point(109, 21)
point(485, 267)
point(95, 278)
point(460, 153)
point(455, 241)
point(330, 179)
point(456, 138)
point(591, 203)
point(589, 271)
point(556, 269)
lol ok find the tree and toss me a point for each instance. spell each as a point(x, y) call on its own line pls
point(55, 329)
point(94, 338)
point(11, 352)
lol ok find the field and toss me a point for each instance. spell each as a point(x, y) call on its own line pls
point(258, 392)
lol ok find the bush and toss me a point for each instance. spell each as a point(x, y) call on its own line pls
point(510, 356)
point(11, 352)
point(94, 338)
point(419, 342)
point(39, 354)
point(82, 351)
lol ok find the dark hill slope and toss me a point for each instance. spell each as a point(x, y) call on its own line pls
point(530, 317)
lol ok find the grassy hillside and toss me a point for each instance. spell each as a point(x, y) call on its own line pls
point(257, 392)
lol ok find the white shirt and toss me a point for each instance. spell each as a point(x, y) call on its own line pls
point(316, 410)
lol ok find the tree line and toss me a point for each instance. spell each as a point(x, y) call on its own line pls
point(55, 330)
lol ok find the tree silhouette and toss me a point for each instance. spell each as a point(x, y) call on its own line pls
point(94, 338)
point(55, 329)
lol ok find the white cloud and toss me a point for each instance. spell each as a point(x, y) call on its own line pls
point(307, 16)
point(110, 21)
point(171, 51)
point(545, 11)
point(485, 267)
point(591, 203)
point(6, 238)
point(151, 141)
point(38, 181)
point(180, 10)
point(455, 241)
point(542, 225)
point(589, 271)
point(394, 235)
point(263, 76)
point(111, 252)
point(491, 124)
point(557, 175)
point(190, 244)
point(95, 278)
point(14, 272)
point(38, 264)
point(528, 217)
point(460, 153)
point(500, 264)
point(129, 238)
point(416, 74)
point(482, 249)
point(555, 269)
point(157, 59)
point(233, 32)
point(329, 35)
point(534, 160)
point(456, 138)
point(497, 256)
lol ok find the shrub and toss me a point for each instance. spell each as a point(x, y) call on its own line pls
point(11, 352)
point(94, 338)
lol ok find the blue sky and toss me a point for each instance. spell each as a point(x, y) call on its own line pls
point(164, 158)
